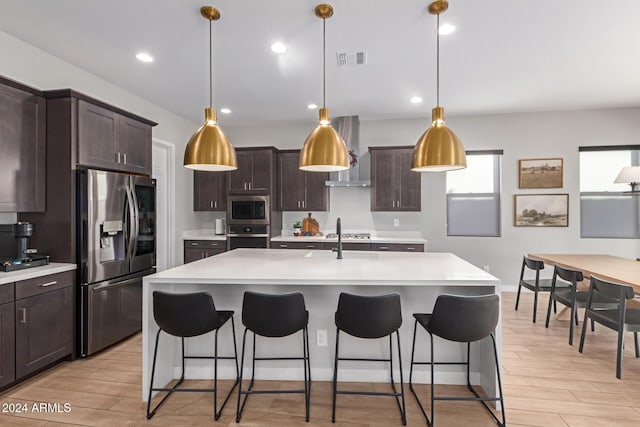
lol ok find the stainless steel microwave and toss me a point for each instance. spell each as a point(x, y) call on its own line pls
point(248, 210)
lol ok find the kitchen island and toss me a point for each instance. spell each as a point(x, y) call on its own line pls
point(418, 277)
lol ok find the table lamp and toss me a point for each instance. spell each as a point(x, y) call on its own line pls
point(629, 175)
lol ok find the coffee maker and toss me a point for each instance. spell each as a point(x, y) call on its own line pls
point(15, 252)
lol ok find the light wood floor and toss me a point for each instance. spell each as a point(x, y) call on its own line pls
point(546, 383)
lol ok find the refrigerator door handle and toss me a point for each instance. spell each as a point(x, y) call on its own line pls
point(105, 286)
point(136, 217)
point(131, 224)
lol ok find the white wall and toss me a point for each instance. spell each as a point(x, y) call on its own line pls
point(526, 135)
point(33, 67)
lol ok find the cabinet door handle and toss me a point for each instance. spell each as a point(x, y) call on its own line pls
point(249, 186)
point(245, 185)
point(398, 204)
point(23, 315)
point(202, 255)
point(194, 243)
point(118, 157)
point(303, 203)
point(215, 204)
point(411, 248)
point(44, 285)
point(311, 246)
point(210, 204)
point(298, 203)
point(124, 156)
point(283, 245)
point(393, 202)
point(383, 248)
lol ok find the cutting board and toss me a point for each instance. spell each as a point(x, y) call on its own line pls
point(310, 225)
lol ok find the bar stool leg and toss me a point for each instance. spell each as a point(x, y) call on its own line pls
point(433, 402)
point(217, 413)
point(153, 372)
point(241, 407)
point(403, 410)
point(335, 377)
point(307, 374)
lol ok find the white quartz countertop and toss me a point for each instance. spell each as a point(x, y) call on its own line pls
point(33, 272)
point(372, 239)
point(318, 267)
point(203, 234)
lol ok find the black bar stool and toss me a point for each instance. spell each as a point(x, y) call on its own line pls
point(274, 316)
point(369, 317)
point(184, 316)
point(461, 319)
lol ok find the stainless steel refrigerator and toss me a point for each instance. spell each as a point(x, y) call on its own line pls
point(116, 242)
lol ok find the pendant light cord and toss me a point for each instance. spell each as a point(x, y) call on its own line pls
point(210, 65)
point(324, 60)
point(438, 60)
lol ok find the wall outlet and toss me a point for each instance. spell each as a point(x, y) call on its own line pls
point(396, 222)
point(321, 338)
point(486, 268)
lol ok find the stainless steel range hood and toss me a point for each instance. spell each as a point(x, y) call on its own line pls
point(349, 129)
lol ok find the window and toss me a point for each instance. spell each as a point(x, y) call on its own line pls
point(473, 196)
point(607, 209)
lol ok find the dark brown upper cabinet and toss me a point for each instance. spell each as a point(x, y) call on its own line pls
point(209, 191)
point(109, 140)
point(394, 187)
point(22, 148)
point(299, 190)
point(256, 171)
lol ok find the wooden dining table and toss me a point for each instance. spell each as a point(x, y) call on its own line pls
point(607, 267)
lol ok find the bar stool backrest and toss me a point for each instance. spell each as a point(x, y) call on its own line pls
point(185, 315)
point(274, 316)
point(571, 276)
point(464, 318)
point(368, 316)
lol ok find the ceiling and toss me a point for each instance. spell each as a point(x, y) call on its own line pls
point(506, 55)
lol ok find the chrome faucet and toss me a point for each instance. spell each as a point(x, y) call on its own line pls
point(339, 233)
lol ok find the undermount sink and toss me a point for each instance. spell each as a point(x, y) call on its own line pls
point(345, 254)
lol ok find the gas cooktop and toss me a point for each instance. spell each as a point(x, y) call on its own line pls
point(352, 236)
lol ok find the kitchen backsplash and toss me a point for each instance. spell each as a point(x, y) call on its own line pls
point(8, 217)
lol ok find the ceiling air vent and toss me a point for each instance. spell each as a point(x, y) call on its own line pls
point(350, 59)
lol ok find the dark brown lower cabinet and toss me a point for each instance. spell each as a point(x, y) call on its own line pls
point(200, 249)
point(7, 343)
point(397, 247)
point(44, 329)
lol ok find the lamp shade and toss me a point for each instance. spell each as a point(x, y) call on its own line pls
point(628, 175)
point(324, 150)
point(438, 149)
point(209, 149)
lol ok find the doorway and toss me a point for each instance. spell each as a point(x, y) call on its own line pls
point(163, 161)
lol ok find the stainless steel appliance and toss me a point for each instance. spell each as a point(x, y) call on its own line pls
point(116, 239)
point(15, 251)
point(248, 236)
point(248, 210)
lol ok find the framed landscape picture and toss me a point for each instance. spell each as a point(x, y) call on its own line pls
point(541, 210)
point(540, 173)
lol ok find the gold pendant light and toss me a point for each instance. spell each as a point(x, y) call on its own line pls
point(209, 149)
point(438, 149)
point(324, 150)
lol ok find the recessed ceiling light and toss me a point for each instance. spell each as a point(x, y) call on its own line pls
point(312, 106)
point(144, 57)
point(446, 29)
point(225, 111)
point(278, 47)
point(415, 100)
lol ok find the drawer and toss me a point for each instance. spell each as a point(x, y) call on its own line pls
point(6, 293)
point(220, 244)
point(40, 285)
point(397, 247)
point(348, 246)
point(297, 245)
